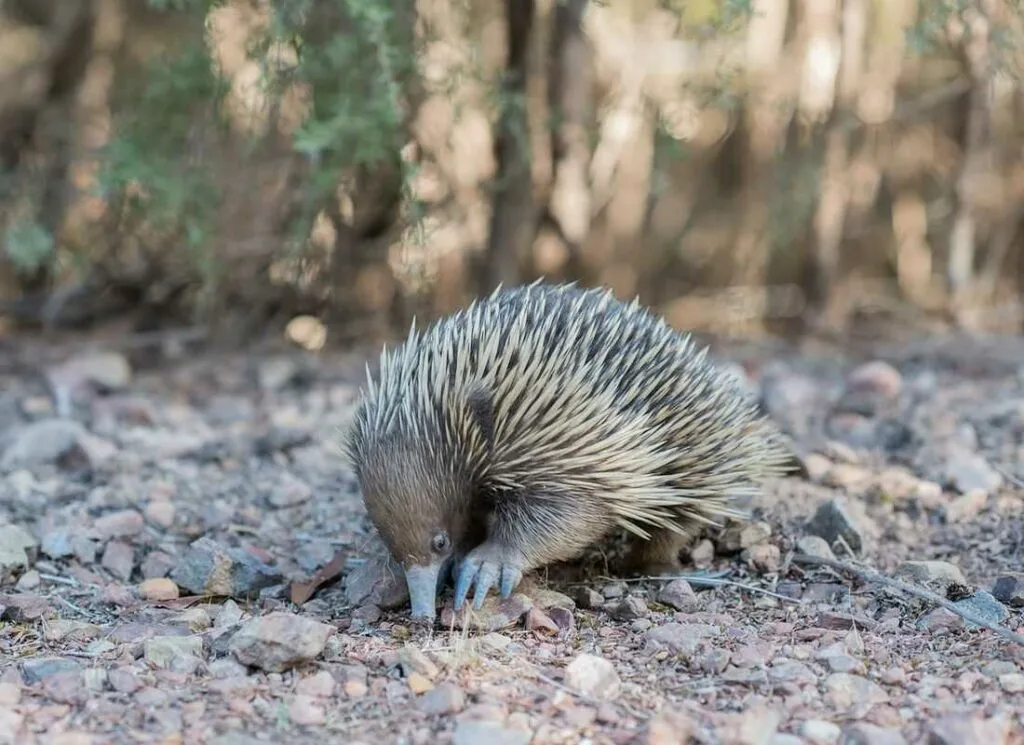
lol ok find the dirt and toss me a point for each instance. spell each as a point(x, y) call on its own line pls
point(157, 523)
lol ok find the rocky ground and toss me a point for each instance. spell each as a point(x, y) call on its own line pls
point(184, 559)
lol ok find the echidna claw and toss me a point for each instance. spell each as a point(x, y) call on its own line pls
point(488, 566)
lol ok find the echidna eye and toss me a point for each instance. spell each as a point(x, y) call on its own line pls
point(440, 543)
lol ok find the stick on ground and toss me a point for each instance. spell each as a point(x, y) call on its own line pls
point(872, 577)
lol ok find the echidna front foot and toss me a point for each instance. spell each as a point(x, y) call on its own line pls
point(487, 565)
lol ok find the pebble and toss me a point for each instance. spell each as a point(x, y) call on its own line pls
point(161, 651)
point(814, 545)
point(41, 442)
point(931, 573)
point(470, 732)
point(318, 685)
point(305, 711)
point(1012, 682)
point(834, 520)
point(703, 553)
point(764, 557)
point(157, 564)
point(120, 524)
point(588, 598)
point(628, 608)
point(614, 590)
point(669, 728)
point(123, 681)
point(820, 732)
point(445, 698)
point(160, 513)
point(592, 676)
point(817, 467)
point(968, 729)
point(683, 639)
point(158, 588)
point(863, 733)
point(877, 377)
point(209, 568)
point(966, 472)
point(279, 641)
point(1009, 589)
point(845, 690)
point(739, 537)
point(985, 606)
point(10, 694)
point(17, 551)
point(679, 594)
point(38, 669)
point(119, 559)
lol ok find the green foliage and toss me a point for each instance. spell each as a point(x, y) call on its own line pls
point(28, 245)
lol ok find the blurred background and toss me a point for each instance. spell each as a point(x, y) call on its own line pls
point(330, 168)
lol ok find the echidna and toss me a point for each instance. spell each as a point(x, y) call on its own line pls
point(516, 432)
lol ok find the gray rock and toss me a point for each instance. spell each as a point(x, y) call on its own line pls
point(444, 698)
point(279, 641)
point(862, 733)
point(38, 669)
point(592, 676)
point(682, 638)
point(17, 551)
point(985, 606)
point(209, 568)
point(814, 545)
point(1009, 589)
point(161, 651)
point(628, 609)
point(678, 594)
point(834, 520)
point(938, 574)
point(119, 559)
point(379, 580)
point(493, 733)
point(966, 471)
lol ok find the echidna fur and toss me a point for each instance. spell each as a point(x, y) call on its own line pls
point(528, 425)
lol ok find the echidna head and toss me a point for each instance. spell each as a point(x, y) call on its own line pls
point(420, 509)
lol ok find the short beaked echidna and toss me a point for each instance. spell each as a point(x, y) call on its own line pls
point(519, 431)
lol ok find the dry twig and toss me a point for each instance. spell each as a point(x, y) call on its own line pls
point(872, 577)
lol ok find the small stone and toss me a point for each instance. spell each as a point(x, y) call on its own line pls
point(40, 668)
point(628, 609)
point(967, 506)
point(826, 592)
point(1012, 682)
point(290, 491)
point(228, 615)
point(414, 660)
point(834, 520)
point(998, 667)
point(845, 691)
point(1009, 589)
point(940, 574)
point(443, 699)
point(765, 558)
point(495, 642)
point(669, 728)
point(473, 732)
point(29, 581)
point(966, 472)
point(817, 467)
point(791, 671)
point(355, 688)
point(418, 683)
point(120, 524)
point(10, 694)
point(703, 553)
point(683, 639)
point(738, 537)
point(123, 681)
point(277, 373)
point(279, 641)
point(318, 685)
point(17, 551)
point(109, 371)
point(877, 377)
point(496, 613)
point(587, 598)
point(306, 712)
point(160, 513)
point(57, 544)
point(161, 651)
point(209, 568)
point(157, 564)
point(820, 732)
point(813, 545)
point(614, 590)
point(592, 676)
point(862, 733)
point(379, 580)
point(158, 588)
point(854, 479)
point(679, 594)
point(843, 663)
point(983, 605)
point(967, 729)
point(44, 441)
point(119, 559)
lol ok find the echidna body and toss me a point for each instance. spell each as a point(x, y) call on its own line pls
point(517, 432)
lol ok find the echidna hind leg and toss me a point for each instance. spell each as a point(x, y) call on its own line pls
point(658, 555)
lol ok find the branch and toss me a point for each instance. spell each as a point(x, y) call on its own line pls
point(872, 577)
